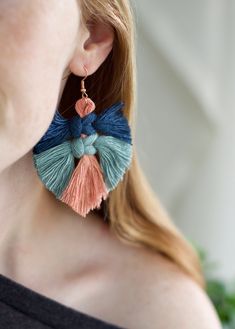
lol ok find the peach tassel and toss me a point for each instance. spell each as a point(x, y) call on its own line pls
point(86, 188)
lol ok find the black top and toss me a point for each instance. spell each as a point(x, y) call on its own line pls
point(24, 308)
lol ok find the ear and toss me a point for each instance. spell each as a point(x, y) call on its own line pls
point(94, 43)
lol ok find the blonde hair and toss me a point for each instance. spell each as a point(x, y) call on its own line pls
point(134, 213)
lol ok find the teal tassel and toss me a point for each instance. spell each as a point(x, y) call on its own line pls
point(115, 158)
point(55, 167)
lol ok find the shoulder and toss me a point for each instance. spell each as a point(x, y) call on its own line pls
point(176, 301)
point(159, 295)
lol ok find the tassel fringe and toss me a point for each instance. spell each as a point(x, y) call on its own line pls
point(86, 188)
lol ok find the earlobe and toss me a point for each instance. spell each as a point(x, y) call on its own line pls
point(95, 42)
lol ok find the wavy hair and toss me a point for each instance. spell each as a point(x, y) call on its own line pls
point(132, 209)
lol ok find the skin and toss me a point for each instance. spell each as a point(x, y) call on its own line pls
point(44, 245)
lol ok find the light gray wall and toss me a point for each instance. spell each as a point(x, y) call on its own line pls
point(186, 116)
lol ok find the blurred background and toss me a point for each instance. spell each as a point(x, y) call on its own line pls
point(186, 117)
point(186, 127)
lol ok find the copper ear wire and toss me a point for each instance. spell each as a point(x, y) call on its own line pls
point(83, 89)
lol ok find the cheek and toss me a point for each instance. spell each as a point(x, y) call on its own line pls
point(37, 47)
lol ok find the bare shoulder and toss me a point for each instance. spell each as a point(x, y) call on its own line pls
point(176, 301)
point(159, 295)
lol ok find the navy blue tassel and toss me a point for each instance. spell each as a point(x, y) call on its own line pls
point(112, 122)
point(57, 132)
point(62, 129)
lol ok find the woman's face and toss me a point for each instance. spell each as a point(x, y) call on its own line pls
point(37, 40)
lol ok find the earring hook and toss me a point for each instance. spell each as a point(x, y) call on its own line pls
point(83, 89)
point(86, 75)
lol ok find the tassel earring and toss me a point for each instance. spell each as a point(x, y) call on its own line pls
point(101, 143)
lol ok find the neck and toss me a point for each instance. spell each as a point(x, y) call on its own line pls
point(24, 201)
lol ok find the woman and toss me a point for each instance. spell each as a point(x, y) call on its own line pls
point(124, 265)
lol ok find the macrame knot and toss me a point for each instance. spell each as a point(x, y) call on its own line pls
point(75, 126)
point(79, 126)
point(82, 146)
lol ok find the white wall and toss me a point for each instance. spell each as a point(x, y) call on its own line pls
point(186, 116)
